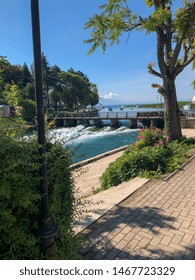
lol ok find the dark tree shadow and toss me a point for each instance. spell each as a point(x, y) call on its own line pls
point(97, 245)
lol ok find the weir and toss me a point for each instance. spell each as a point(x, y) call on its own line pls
point(96, 118)
point(114, 123)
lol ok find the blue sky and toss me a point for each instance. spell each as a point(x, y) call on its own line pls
point(120, 73)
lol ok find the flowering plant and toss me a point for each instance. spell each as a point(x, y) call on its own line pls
point(152, 136)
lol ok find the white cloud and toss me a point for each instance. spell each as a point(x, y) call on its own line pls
point(111, 95)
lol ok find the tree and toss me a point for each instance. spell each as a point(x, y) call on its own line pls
point(175, 37)
point(11, 94)
point(10, 73)
point(45, 76)
point(193, 82)
point(28, 91)
point(94, 96)
point(26, 75)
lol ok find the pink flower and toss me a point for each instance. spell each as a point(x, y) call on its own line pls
point(153, 138)
point(139, 137)
point(161, 142)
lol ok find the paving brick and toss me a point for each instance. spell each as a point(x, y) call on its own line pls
point(185, 224)
point(192, 212)
point(133, 243)
point(193, 223)
point(148, 235)
point(189, 254)
point(122, 244)
point(187, 238)
point(126, 230)
point(178, 255)
point(177, 239)
point(159, 223)
point(129, 236)
point(166, 240)
point(155, 241)
point(176, 247)
point(167, 232)
point(138, 237)
point(186, 230)
point(144, 242)
point(118, 237)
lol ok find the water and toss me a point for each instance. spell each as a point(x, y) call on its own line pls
point(87, 142)
point(84, 148)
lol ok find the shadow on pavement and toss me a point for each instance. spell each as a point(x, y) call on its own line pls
point(99, 242)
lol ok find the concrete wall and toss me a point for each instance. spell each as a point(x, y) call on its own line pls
point(187, 123)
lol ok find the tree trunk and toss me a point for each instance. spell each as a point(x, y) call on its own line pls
point(172, 115)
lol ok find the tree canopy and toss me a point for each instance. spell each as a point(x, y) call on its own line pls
point(67, 90)
point(175, 42)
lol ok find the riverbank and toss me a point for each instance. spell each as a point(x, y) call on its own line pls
point(87, 176)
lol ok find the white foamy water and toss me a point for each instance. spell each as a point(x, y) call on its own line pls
point(82, 133)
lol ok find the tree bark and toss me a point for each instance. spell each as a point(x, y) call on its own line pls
point(172, 114)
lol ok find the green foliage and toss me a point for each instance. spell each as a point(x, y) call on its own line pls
point(28, 110)
point(11, 94)
point(71, 90)
point(28, 92)
point(20, 198)
point(114, 19)
point(151, 156)
point(158, 17)
point(175, 41)
point(75, 91)
point(152, 137)
point(12, 127)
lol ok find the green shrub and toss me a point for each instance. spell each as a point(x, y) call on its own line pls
point(20, 199)
point(151, 156)
point(29, 110)
point(152, 136)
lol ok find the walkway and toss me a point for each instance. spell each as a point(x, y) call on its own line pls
point(156, 222)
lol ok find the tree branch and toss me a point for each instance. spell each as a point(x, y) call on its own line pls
point(153, 72)
point(176, 52)
point(186, 52)
point(180, 68)
point(160, 88)
point(160, 53)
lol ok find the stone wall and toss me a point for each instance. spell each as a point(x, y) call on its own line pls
point(188, 123)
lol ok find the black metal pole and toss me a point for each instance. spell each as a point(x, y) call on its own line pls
point(47, 231)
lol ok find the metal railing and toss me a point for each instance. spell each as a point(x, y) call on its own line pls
point(118, 115)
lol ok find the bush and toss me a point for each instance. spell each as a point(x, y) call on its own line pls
point(151, 156)
point(20, 199)
point(28, 110)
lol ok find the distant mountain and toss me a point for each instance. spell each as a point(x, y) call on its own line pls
point(106, 102)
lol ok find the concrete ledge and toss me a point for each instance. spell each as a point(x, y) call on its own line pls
point(84, 162)
point(188, 123)
point(97, 205)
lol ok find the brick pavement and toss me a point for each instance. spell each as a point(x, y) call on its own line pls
point(156, 222)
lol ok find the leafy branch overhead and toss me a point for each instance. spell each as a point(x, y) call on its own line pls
point(175, 42)
point(174, 33)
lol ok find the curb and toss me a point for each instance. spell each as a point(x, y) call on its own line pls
point(90, 160)
point(104, 201)
point(180, 168)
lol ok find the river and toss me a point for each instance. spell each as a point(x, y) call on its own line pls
point(87, 142)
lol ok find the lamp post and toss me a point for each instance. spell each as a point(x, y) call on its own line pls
point(47, 231)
